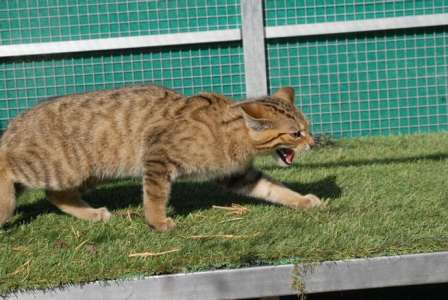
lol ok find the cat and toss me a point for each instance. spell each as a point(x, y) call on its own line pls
point(155, 133)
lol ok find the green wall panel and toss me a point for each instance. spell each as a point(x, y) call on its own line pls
point(24, 82)
point(367, 84)
point(291, 12)
point(32, 21)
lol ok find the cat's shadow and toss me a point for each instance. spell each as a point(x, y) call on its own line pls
point(186, 197)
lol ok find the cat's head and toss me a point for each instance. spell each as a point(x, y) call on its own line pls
point(276, 125)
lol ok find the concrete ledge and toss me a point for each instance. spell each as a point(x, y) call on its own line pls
point(267, 281)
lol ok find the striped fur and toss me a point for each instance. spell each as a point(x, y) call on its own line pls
point(150, 132)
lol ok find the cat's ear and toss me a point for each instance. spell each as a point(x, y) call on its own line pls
point(253, 114)
point(286, 94)
point(257, 124)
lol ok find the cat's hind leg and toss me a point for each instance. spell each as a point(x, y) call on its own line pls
point(7, 194)
point(70, 202)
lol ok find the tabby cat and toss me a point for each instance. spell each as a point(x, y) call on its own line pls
point(154, 133)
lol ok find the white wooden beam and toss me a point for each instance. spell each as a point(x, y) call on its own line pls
point(356, 26)
point(158, 40)
point(251, 32)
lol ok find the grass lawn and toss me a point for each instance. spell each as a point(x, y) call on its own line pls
point(385, 196)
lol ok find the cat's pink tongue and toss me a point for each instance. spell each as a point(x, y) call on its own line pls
point(289, 156)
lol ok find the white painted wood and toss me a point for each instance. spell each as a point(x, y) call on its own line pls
point(254, 48)
point(413, 269)
point(121, 43)
point(356, 26)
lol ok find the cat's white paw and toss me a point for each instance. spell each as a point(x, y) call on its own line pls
point(102, 214)
point(163, 225)
point(314, 200)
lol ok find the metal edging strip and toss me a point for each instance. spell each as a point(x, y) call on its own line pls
point(353, 274)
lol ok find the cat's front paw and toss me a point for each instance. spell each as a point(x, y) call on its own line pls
point(304, 202)
point(101, 214)
point(314, 201)
point(163, 225)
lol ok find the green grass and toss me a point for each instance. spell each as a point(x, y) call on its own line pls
point(385, 196)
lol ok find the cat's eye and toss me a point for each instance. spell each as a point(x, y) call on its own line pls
point(296, 134)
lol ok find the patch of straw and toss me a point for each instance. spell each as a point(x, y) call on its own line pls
point(128, 213)
point(234, 209)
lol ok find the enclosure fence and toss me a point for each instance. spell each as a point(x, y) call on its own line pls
point(359, 67)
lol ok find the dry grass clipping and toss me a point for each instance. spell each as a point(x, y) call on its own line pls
point(223, 236)
point(128, 213)
point(22, 268)
point(230, 220)
point(149, 254)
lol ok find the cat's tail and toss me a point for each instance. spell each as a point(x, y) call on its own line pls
point(7, 192)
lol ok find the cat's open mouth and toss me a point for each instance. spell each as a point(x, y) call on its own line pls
point(286, 155)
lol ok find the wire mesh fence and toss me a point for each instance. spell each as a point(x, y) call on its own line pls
point(378, 83)
point(370, 84)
